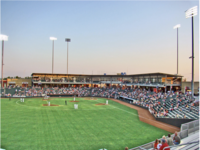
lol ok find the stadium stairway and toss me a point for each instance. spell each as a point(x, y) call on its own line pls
point(189, 135)
point(186, 143)
point(192, 138)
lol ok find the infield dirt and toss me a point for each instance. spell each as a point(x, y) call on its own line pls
point(147, 117)
point(100, 104)
point(50, 105)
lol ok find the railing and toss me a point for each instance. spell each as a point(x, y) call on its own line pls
point(61, 81)
point(142, 148)
point(160, 84)
point(183, 134)
point(175, 82)
point(190, 143)
point(190, 127)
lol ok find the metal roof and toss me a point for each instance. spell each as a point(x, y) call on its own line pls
point(131, 75)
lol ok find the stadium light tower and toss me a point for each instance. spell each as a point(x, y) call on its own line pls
point(190, 13)
point(67, 40)
point(2, 38)
point(176, 27)
point(53, 39)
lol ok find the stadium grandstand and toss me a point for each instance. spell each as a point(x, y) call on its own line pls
point(154, 81)
point(160, 104)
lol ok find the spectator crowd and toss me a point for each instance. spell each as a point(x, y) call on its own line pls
point(159, 104)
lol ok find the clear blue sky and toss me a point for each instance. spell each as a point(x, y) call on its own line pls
point(106, 37)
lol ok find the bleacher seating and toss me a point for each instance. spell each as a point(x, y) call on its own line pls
point(165, 106)
point(189, 136)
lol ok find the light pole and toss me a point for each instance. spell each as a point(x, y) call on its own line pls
point(2, 38)
point(190, 13)
point(176, 27)
point(53, 39)
point(67, 40)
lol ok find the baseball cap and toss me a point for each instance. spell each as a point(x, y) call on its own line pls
point(163, 140)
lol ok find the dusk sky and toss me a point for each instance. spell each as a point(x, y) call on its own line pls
point(106, 37)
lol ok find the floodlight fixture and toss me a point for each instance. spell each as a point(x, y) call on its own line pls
point(67, 40)
point(191, 12)
point(53, 38)
point(3, 37)
point(177, 26)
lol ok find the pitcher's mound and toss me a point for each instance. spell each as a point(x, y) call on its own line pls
point(50, 105)
point(73, 101)
point(100, 104)
point(90, 98)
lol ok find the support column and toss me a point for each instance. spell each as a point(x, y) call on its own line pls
point(91, 82)
point(2, 67)
point(143, 80)
point(192, 83)
point(181, 85)
point(110, 81)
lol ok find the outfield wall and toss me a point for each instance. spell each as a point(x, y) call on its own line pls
point(62, 95)
point(128, 101)
point(55, 95)
point(174, 121)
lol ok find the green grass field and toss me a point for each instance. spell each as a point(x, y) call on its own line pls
point(31, 126)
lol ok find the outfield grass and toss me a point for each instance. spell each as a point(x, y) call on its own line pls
point(31, 126)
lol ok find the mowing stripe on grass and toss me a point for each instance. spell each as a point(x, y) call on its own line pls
point(26, 105)
point(143, 117)
point(109, 108)
point(51, 128)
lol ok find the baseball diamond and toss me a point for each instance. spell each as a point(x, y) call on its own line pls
point(89, 127)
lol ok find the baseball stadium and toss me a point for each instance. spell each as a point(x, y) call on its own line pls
point(88, 111)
